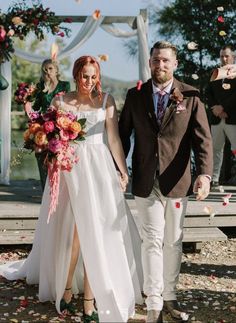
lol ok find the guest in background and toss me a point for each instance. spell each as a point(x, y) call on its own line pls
point(221, 99)
point(47, 88)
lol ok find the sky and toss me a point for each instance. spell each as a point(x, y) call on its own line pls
point(120, 65)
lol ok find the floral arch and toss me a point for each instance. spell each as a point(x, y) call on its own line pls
point(52, 24)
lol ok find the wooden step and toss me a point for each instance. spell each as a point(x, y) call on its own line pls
point(203, 234)
point(190, 235)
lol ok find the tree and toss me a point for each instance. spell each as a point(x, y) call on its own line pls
point(210, 24)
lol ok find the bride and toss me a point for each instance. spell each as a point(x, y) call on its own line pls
point(91, 219)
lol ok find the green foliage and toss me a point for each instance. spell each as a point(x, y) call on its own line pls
point(185, 21)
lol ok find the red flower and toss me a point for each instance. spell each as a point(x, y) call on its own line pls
point(221, 19)
point(69, 20)
point(61, 34)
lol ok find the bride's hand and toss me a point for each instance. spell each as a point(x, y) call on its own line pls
point(124, 179)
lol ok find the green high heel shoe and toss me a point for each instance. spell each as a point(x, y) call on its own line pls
point(67, 306)
point(94, 316)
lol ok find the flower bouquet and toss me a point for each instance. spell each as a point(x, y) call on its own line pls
point(52, 133)
point(25, 92)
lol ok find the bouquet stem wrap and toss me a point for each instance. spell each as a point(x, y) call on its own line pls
point(54, 183)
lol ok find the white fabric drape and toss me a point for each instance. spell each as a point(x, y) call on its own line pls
point(141, 32)
point(5, 125)
point(85, 32)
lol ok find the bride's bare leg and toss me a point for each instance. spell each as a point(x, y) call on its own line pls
point(74, 258)
point(88, 296)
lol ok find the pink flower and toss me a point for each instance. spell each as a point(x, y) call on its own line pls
point(61, 34)
point(2, 34)
point(64, 135)
point(48, 126)
point(55, 145)
point(73, 135)
point(34, 115)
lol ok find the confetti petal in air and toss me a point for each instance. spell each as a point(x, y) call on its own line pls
point(222, 33)
point(220, 8)
point(103, 57)
point(221, 19)
point(234, 152)
point(139, 85)
point(209, 210)
point(192, 45)
point(96, 14)
point(226, 199)
point(226, 86)
point(54, 51)
point(195, 76)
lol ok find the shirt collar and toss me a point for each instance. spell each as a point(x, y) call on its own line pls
point(167, 89)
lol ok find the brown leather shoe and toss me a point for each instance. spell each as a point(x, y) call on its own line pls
point(154, 316)
point(172, 313)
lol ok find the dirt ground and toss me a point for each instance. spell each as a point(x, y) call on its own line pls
point(206, 290)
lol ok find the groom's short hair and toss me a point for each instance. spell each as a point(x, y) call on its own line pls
point(164, 44)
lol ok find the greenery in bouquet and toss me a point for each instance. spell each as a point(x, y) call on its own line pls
point(20, 20)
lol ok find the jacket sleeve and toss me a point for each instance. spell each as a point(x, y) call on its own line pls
point(201, 139)
point(126, 123)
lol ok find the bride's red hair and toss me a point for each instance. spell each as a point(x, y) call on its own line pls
point(77, 72)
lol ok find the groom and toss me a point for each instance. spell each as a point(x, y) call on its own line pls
point(169, 121)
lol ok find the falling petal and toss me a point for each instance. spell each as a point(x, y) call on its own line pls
point(139, 85)
point(220, 8)
point(195, 76)
point(221, 19)
point(226, 86)
point(103, 57)
point(222, 33)
point(192, 45)
point(54, 51)
point(209, 210)
point(96, 14)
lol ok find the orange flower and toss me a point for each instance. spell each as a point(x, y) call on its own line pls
point(40, 138)
point(63, 122)
point(27, 135)
point(96, 14)
point(75, 127)
point(34, 127)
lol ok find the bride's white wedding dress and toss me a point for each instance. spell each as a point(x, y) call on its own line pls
point(90, 197)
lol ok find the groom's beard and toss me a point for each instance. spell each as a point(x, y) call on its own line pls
point(161, 77)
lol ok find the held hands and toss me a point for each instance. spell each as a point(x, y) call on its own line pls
point(201, 187)
point(124, 179)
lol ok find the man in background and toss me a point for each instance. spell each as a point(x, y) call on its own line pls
point(221, 99)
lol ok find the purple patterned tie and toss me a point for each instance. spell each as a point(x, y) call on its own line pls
point(160, 106)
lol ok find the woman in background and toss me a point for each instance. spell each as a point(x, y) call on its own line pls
point(47, 88)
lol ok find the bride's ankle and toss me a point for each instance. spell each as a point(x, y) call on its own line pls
point(89, 305)
point(67, 296)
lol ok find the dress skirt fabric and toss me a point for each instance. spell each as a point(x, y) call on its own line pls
point(90, 198)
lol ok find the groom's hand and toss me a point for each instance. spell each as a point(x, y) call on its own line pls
point(202, 187)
